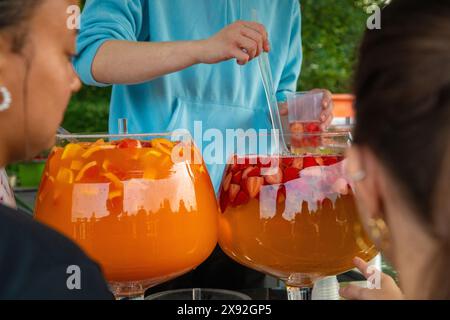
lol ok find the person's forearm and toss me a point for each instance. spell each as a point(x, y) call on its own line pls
point(126, 62)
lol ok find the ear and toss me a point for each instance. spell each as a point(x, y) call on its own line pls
point(360, 160)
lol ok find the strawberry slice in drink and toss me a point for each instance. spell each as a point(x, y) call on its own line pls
point(251, 172)
point(235, 167)
point(291, 174)
point(233, 192)
point(129, 144)
point(253, 186)
point(287, 162)
point(297, 163)
point(319, 161)
point(239, 164)
point(328, 161)
point(227, 181)
point(241, 198)
point(246, 171)
point(309, 162)
point(312, 127)
point(146, 144)
point(275, 178)
point(223, 202)
point(265, 161)
point(304, 134)
point(237, 177)
point(297, 127)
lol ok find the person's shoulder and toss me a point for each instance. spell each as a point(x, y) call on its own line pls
point(36, 262)
point(287, 3)
point(20, 230)
point(284, 7)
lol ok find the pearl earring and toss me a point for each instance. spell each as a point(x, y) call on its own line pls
point(6, 99)
point(358, 176)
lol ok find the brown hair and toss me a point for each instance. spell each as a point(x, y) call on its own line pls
point(403, 101)
point(441, 216)
point(13, 17)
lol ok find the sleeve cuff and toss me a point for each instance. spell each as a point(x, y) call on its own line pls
point(83, 64)
point(283, 95)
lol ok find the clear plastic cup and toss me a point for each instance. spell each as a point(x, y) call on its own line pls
point(305, 107)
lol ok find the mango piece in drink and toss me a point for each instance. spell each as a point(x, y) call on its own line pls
point(89, 169)
point(65, 175)
point(72, 151)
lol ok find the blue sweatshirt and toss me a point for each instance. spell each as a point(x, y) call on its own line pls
point(222, 96)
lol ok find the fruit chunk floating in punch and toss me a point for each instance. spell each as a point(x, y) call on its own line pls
point(303, 134)
point(103, 162)
point(243, 178)
point(129, 143)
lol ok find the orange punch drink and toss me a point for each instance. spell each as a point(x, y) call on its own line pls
point(143, 216)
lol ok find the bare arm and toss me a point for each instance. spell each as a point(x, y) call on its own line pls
point(128, 62)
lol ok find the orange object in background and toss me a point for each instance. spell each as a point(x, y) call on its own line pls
point(343, 105)
point(143, 217)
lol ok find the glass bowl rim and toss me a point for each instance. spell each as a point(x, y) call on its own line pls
point(329, 134)
point(108, 135)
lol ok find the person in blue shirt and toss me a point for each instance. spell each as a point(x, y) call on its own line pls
point(173, 63)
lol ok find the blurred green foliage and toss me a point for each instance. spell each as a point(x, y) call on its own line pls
point(88, 111)
point(331, 33)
